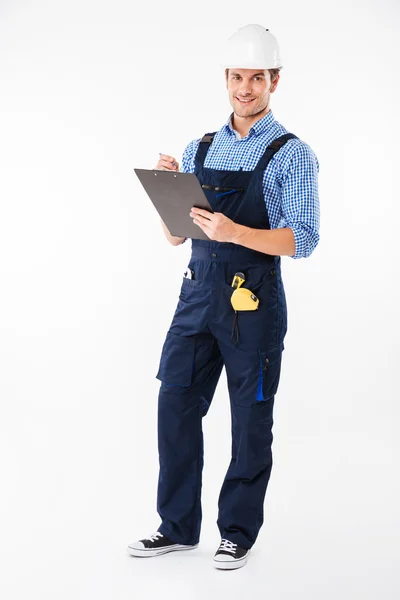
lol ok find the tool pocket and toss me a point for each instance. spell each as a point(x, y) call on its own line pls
point(269, 371)
point(261, 281)
point(189, 289)
point(177, 360)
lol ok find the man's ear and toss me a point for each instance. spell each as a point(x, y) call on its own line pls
point(274, 85)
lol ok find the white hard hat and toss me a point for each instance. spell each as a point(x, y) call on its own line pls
point(252, 47)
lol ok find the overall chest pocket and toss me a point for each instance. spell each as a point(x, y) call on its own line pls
point(221, 191)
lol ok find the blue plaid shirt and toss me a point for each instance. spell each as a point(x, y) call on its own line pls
point(290, 181)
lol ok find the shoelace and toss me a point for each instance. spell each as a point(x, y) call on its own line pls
point(227, 545)
point(154, 536)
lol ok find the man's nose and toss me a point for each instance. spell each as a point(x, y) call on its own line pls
point(244, 90)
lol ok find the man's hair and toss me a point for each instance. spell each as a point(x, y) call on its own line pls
point(272, 72)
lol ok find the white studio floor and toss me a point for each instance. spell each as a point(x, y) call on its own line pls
point(78, 551)
point(79, 473)
point(329, 566)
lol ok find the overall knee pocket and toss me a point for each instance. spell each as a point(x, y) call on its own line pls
point(177, 362)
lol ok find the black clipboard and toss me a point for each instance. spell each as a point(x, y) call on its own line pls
point(173, 194)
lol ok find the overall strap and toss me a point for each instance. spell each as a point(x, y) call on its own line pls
point(272, 149)
point(202, 150)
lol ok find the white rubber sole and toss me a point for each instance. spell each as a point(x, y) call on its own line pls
point(148, 552)
point(231, 564)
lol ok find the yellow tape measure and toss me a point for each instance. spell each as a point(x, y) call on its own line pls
point(242, 298)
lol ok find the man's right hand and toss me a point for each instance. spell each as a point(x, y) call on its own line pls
point(167, 163)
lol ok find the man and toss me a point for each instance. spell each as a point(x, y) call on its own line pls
point(261, 182)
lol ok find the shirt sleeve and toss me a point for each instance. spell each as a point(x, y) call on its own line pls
point(300, 200)
point(188, 157)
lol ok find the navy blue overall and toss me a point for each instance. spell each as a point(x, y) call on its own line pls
point(205, 335)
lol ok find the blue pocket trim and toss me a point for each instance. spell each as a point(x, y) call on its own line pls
point(260, 395)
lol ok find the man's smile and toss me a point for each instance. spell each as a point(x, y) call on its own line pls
point(243, 101)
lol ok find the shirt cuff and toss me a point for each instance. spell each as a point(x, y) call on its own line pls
point(305, 241)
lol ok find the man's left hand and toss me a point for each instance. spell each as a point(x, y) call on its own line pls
point(216, 225)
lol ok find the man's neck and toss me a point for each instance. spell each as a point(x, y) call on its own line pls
point(243, 124)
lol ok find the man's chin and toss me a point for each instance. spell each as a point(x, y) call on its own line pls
point(243, 112)
point(254, 112)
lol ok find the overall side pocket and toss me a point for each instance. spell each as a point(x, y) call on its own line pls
point(269, 371)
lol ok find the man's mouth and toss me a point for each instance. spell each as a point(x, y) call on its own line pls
point(243, 101)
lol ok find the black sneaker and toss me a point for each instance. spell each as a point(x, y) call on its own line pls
point(230, 555)
point(155, 545)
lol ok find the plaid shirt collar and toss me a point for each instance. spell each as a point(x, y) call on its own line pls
point(259, 126)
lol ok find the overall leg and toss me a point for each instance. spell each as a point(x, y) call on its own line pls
point(253, 378)
point(190, 368)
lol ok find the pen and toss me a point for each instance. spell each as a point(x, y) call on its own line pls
point(174, 163)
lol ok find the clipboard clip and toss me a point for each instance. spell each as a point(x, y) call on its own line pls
point(155, 174)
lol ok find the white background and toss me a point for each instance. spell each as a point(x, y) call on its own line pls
point(88, 285)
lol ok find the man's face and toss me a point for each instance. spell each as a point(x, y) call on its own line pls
point(251, 85)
